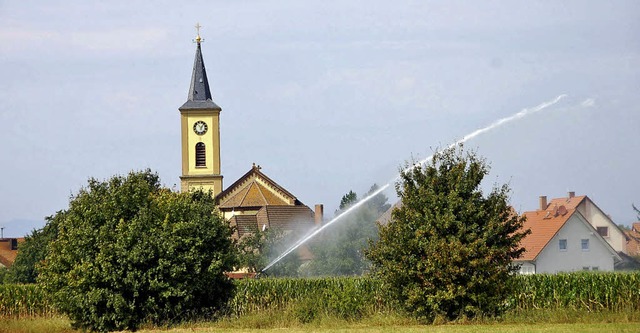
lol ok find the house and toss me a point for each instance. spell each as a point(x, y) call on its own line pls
point(9, 251)
point(569, 234)
point(633, 244)
point(256, 202)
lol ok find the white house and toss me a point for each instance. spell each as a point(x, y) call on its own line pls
point(563, 239)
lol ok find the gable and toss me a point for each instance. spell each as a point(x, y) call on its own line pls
point(544, 224)
point(598, 254)
point(252, 190)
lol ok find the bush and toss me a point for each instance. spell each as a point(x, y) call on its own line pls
point(129, 251)
point(447, 250)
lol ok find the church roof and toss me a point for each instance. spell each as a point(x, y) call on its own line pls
point(298, 218)
point(199, 93)
point(255, 189)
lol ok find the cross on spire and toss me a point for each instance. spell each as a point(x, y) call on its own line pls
point(198, 38)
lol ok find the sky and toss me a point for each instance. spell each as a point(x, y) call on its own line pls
point(326, 96)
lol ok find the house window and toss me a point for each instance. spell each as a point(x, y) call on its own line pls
point(14, 244)
point(562, 244)
point(595, 268)
point(603, 231)
point(201, 159)
point(584, 244)
point(585, 268)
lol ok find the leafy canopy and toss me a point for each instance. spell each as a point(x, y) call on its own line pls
point(129, 251)
point(257, 249)
point(339, 250)
point(447, 250)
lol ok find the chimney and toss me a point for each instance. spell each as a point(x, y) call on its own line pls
point(543, 202)
point(572, 194)
point(319, 214)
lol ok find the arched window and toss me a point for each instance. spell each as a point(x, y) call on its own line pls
point(201, 156)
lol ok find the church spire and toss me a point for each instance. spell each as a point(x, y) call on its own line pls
point(199, 93)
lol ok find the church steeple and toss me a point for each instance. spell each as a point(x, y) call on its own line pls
point(199, 92)
point(200, 132)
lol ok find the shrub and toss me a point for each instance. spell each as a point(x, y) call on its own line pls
point(129, 251)
point(447, 250)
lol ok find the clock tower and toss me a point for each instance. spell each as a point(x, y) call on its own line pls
point(200, 132)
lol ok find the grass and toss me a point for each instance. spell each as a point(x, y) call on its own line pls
point(531, 321)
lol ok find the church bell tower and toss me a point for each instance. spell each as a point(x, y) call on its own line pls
point(200, 132)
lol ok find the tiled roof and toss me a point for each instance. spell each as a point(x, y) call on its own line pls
point(294, 218)
point(7, 255)
point(255, 189)
point(544, 224)
point(386, 216)
point(633, 244)
point(568, 202)
point(245, 224)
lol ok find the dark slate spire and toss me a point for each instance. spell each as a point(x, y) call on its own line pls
point(199, 92)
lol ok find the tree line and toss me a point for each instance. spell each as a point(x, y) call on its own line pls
point(129, 251)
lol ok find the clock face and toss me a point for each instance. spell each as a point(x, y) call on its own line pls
point(200, 127)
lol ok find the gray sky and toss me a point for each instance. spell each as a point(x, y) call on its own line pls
point(327, 96)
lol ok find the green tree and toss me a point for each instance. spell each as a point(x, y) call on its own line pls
point(447, 250)
point(33, 250)
point(347, 200)
point(339, 250)
point(257, 249)
point(129, 251)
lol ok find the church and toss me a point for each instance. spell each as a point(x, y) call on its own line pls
point(253, 202)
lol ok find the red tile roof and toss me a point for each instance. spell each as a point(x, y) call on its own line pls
point(544, 224)
point(633, 243)
point(7, 254)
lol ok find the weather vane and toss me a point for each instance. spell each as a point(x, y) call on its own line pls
point(198, 38)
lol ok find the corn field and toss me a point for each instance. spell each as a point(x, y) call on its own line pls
point(579, 291)
point(24, 301)
point(344, 297)
point(356, 297)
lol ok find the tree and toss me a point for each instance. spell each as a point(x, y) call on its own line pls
point(129, 251)
point(447, 250)
point(347, 200)
point(33, 250)
point(258, 248)
point(339, 250)
point(637, 210)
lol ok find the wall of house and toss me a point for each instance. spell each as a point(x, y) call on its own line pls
point(526, 267)
point(597, 218)
point(598, 257)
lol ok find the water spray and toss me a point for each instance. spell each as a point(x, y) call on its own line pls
point(500, 122)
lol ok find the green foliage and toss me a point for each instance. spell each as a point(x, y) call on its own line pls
point(447, 250)
point(24, 301)
point(257, 249)
point(4, 272)
point(359, 297)
point(347, 200)
point(129, 251)
point(339, 250)
point(33, 250)
point(578, 291)
point(312, 298)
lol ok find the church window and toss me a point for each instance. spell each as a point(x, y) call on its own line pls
point(201, 159)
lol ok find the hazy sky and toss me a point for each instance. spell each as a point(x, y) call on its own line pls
point(327, 96)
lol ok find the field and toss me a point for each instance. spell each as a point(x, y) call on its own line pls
point(543, 303)
point(61, 325)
